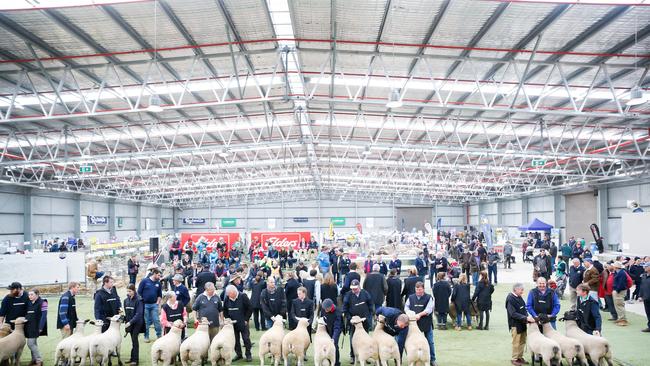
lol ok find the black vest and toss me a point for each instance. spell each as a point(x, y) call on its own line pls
point(110, 303)
point(585, 319)
point(71, 312)
point(16, 307)
point(34, 312)
point(235, 309)
point(425, 323)
point(173, 314)
point(543, 304)
point(310, 285)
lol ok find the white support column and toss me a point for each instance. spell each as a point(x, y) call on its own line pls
point(499, 213)
point(557, 214)
point(27, 215)
point(158, 225)
point(602, 212)
point(111, 218)
point(175, 212)
point(76, 211)
point(524, 210)
point(138, 220)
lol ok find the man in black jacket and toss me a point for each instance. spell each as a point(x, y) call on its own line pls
point(291, 289)
point(409, 284)
point(107, 302)
point(66, 317)
point(375, 284)
point(202, 278)
point(343, 267)
point(302, 307)
point(518, 320)
point(394, 294)
point(358, 302)
point(237, 307)
point(333, 324)
point(273, 302)
point(14, 305)
point(349, 277)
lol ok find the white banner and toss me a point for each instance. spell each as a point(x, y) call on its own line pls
point(84, 224)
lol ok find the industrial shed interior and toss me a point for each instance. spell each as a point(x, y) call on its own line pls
point(367, 128)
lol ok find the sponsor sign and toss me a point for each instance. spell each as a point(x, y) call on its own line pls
point(211, 238)
point(300, 219)
point(193, 221)
point(97, 220)
point(281, 240)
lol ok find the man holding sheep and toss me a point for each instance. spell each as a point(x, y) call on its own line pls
point(273, 302)
point(208, 305)
point(422, 305)
point(543, 303)
point(66, 317)
point(358, 302)
point(518, 320)
point(237, 307)
point(14, 305)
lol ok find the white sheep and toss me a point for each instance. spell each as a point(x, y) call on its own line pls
point(194, 349)
point(222, 347)
point(296, 342)
point(387, 345)
point(80, 348)
point(107, 344)
point(546, 348)
point(416, 344)
point(571, 348)
point(64, 347)
point(166, 348)
point(324, 350)
point(365, 348)
point(271, 341)
point(11, 346)
point(596, 348)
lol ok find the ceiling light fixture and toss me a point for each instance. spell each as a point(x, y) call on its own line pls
point(366, 151)
point(224, 153)
point(394, 99)
point(636, 97)
point(155, 104)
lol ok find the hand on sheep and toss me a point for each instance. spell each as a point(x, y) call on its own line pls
point(66, 327)
point(596, 333)
point(530, 319)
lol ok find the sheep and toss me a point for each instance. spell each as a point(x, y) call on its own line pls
point(416, 344)
point(107, 344)
point(365, 348)
point(271, 341)
point(64, 347)
point(596, 348)
point(11, 346)
point(546, 348)
point(5, 329)
point(166, 348)
point(388, 349)
point(194, 349)
point(223, 344)
point(324, 350)
point(571, 348)
point(296, 342)
point(80, 348)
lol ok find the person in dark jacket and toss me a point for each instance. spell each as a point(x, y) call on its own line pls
point(636, 270)
point(357, 302)
point(576, 273)
point(587, 312)
point(208, 305)
point(333, 324)
point(302, 307)
point(14, 305)
point(422, 305)
point(66, 317)
point(273, 302)
point(409, 283)
point(202, 278)
point(483, 297)
point(344, 267)
point(383, 268)
point(394, 293)
point(133, 266)
point(349, 277)
point(396, 264)
point(150, 291)
point(36, 324)
point(182, 293)
point(257, 287)
point(421, 266)
point(237, 307)
point(645, 293)
point(396, 324)
point(375, 284)
point(441, 293)
point(518, 320)
point(619, 291)
point(291, 289)
point(460, 296)
point(438, 264)
point(107, 302)
point(134, 318)
point(328, 289)
point(492, 261)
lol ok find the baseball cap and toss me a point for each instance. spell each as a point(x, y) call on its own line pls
point(19, 286)
point(354, 284)
point(617, 265)
point(589, 260)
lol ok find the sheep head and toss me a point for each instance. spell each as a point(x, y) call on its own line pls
point(178, 324)
point(19, 321)
point(381, 319)
point(357, 320)
point(321, 321)
point(303, 322)
point(278, 319)
point(411, 315)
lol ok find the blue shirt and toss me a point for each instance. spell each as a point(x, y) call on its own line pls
point(149, 290)
point(530, 303)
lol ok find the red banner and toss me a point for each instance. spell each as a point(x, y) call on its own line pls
point(281, 240)
point(211, 238)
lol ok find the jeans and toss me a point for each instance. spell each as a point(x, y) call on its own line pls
point(552, 264)
point(432, 348)
point(33, 347)
point(151, 315)
point(268, 322)
point(99, 274)
point(132, 278)
point(475, 278)
point(459, 318)
point(492, 270)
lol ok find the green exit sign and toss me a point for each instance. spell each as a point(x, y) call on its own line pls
point(338, 221)
point(228, 222)
point(85, 169)
point(538, 162)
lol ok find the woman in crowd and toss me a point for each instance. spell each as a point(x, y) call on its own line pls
point(328, 288)
point(483, 297)
point(171, 311)
point(258, 284)
point(36, 324)
point(441, 293)
point(134, 318)
point(460, 296)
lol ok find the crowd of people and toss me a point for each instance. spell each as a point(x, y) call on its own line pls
point(315, 281)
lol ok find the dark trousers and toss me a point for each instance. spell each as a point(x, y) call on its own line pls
point(637, 290)
point(259, 319)
point(507, 262)
point(492, 270)
point(646, 304)
point(609, 301)
point(442, 318)
point(244, 333)
point(135, 344)
point(481, 317)
point(132, 278)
